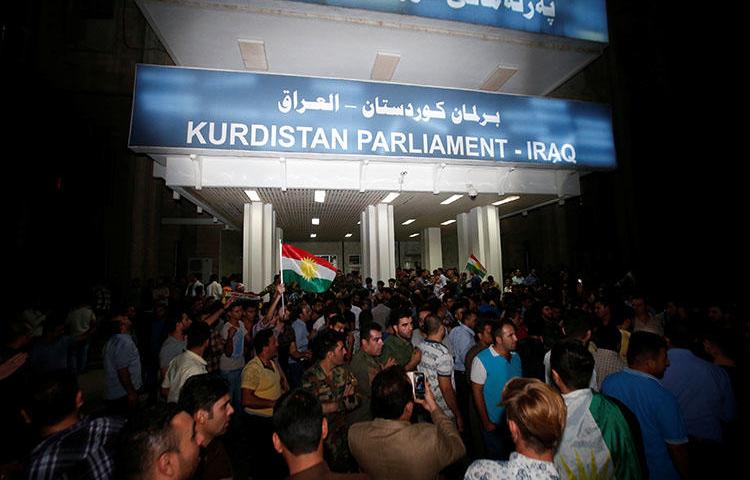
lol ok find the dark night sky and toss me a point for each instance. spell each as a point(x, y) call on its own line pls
point(684, 161)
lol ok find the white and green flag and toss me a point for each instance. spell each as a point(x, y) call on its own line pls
point(475, 267)
point(597, 443)
point(312, 274)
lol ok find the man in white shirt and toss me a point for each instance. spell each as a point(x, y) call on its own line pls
point(193, 283)
point(213, 289)
point(234, 334)
point(188, 363)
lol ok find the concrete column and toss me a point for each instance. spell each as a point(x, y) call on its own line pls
point(462, 229)
point(482, 235)
point(378, 242)
point(270, 263)
point(432, 248)
point(257, 246)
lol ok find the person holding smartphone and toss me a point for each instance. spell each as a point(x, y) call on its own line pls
point(390, 446)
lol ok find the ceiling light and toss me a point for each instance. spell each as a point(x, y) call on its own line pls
point(347, 235)
point(384, 66)
point(450, 199)
point(506, 200)
point(359, 223)
point(413, 235)
point(390, 197)
point(254, 54)
point(448, 222)
point(316, 221)
point(411, 220)
point(313, 235)
point(320, 196)
point(253, 195)
point(497, 78)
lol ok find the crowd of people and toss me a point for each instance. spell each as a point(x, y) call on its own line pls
point(522, 381)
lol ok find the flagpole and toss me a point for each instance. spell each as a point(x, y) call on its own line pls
point(281, 271)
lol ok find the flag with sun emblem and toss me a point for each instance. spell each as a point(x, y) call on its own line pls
point(312, 274)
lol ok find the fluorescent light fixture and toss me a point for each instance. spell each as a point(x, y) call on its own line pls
point(320, 196)
point(313, 235)
point(506, 200)
point(384, 66)
point(347, 235)
point(497, 78)
point(316, 221)
point(448, 222)
point(359, 223)
point(413, 235)
point(411, 220)
point(253, 54)
point(253, 195)
point(450, 199)
point(390, 197)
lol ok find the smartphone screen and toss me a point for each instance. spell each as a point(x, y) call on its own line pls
point(419, 385)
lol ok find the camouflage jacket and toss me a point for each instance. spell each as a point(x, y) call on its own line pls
point(332, 390)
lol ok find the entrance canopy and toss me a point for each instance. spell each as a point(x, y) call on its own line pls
point(362, 103)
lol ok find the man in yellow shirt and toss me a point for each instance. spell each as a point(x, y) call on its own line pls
point(263, 382)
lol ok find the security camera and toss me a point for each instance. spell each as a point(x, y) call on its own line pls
point(473, 193)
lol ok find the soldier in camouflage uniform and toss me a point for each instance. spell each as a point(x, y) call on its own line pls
point(336, 388)
point(365, 365)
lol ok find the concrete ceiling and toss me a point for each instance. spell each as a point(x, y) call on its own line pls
point(340, 212)
point(315, 40)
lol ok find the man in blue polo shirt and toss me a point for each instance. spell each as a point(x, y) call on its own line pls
point(490, 371)
point(662, 427)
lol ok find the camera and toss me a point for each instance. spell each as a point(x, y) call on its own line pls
point(418, 384)
point(473, 193)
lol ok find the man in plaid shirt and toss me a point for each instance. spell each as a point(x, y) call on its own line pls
point(73, 447)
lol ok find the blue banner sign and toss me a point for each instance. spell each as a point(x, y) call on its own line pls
point(582, 19)
point(188, 108)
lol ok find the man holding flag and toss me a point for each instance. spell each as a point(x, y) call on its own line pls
point(477, 270)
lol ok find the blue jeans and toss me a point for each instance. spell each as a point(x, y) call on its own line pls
point(234, 377)
point(497, 444)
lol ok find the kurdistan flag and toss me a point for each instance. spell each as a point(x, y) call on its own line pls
point(312, 274)
point(474, 266)
point(597, 443)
